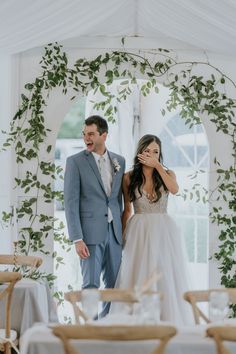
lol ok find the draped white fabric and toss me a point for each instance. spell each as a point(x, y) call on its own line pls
point(203, 24)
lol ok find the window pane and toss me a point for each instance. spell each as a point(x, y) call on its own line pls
point(177, 126)
point(71, 127)
point(186, 151)
point(171, 158)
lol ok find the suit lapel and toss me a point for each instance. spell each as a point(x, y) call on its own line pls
point(92, 163)
point(114, 173)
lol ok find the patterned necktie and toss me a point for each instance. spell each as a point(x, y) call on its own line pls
point(104, 175)
point(105, 179)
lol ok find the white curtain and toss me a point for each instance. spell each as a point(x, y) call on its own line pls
point(203, 24)
point(127, 128)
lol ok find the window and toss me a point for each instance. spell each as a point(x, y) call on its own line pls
point(186, 151)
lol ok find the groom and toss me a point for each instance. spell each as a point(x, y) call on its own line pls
point(93, 206)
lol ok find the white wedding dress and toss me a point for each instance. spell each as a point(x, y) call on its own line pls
point(153, 242)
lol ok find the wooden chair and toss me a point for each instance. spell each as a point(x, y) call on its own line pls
point(198, 296)
point(114, 333)
point(8, 338)
point(220, 334)
point(30, 262)
point(106, 295)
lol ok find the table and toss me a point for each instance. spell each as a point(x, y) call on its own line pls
point(189, 340)
point(31, 302)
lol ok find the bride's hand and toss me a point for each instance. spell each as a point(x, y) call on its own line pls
point(149, 161)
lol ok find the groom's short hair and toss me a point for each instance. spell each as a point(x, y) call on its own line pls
point(100, 122)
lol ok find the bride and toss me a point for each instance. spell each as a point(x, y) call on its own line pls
point(151, 237)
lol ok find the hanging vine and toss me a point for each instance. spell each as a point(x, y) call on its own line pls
point(194, 95)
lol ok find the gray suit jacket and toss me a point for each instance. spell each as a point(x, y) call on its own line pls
point(86, 203)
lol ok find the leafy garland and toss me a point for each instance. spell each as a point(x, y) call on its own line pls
point(190, 92)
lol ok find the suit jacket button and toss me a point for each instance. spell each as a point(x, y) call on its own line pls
point(106, 215)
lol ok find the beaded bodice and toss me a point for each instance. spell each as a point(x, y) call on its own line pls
point(143, 205)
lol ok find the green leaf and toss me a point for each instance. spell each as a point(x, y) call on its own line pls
point(124, 82)
point(222, 80)
point(163, 112)
point(49, 148)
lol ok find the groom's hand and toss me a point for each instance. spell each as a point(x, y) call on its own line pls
point(82, 250)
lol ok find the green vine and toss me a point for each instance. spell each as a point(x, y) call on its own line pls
point(191, 93)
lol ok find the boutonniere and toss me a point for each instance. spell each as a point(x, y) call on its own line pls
point(116, 165)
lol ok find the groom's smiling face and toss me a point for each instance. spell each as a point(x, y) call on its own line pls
point(94, 141)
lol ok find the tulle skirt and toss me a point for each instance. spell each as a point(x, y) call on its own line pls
point(153, 242)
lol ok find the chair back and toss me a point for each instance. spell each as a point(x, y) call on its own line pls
point(220, 334)
point(10, 279)
point(106, 295)
point(198, 296)
point(30, 261)
point(114, 333)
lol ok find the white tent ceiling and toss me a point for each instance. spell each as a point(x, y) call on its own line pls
point(208, 25)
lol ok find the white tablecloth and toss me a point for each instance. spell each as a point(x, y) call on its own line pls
point(31, 302)
point(191, 340)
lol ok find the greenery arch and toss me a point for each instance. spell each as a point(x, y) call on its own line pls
point(193, 94)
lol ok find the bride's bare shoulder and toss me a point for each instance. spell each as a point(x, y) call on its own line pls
point(128, 174)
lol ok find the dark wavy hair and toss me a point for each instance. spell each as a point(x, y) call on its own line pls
point(137, 178)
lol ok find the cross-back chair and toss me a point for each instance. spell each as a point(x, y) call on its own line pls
point(114, 333)
point(106, 295)
point(198, 296)
point(220, 334)
point(30, 262)
point(8, 337)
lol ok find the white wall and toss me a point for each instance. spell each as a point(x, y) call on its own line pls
point(58, 106)
point(8, 97)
